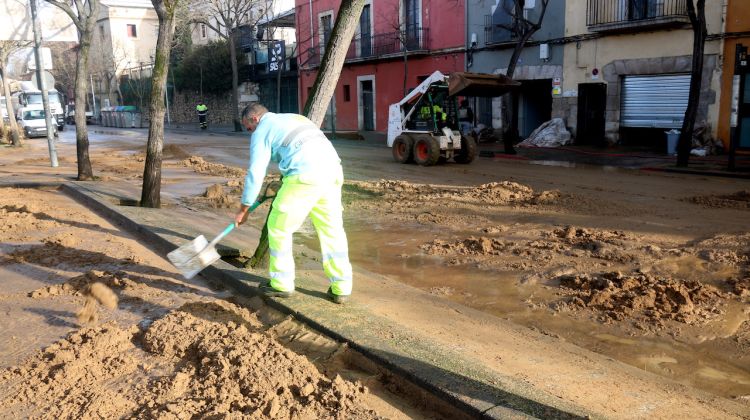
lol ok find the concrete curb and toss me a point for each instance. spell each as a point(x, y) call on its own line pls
point(449, 376)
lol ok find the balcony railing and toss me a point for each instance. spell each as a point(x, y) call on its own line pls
point(605, 15)
point(413, 39)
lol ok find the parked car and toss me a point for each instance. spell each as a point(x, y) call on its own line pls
point(31, 120)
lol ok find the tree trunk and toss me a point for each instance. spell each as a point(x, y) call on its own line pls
point(151, 191)
point(235, 85)
point(698, 22)
point(329, 71)
point(15, 138)
point(82, 136)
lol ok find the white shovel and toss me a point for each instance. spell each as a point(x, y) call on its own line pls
point(198, 254)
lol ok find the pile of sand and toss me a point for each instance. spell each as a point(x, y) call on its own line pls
point(739, 200)
point(17, 220)
point(55, 255)
point(208, 359)
point(642, 299)
point(198, 164)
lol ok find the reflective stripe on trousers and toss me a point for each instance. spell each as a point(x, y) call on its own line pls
point(320, 198)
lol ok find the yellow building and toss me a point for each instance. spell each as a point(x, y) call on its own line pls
point(737, 32)
point(627, 69)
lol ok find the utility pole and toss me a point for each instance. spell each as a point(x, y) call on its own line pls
point(42, 84)
point(93, 97)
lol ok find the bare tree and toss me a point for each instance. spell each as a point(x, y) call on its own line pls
point(523, 28)
point(329, 71)
point(224, 17)
point(151, 191)
point(109, 64)
point(84, 14)
point(697, 15)
point(7, 48)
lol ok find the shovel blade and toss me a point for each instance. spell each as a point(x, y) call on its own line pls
point(193, 257)
point(184, 253)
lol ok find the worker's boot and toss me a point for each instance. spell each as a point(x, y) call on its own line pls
point(267, 290)
point(340, 299)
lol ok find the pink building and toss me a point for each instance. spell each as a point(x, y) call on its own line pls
point(429, 33)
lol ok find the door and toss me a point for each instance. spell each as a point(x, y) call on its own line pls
point(592, 103)
point(743, 113)
point(535, 105)
point(365, 32)
point(368, 120)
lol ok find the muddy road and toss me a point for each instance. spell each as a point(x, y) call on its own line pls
point(650, 269)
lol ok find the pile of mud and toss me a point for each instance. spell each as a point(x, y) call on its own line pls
point(227, 195)
point(402, 197)
point(739, 200)
point(172, 151)
point(217, 197)
point(198, 164)
point(643, 299)
point(208, 359)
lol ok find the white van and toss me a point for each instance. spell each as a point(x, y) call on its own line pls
point(31, 120)
point(3, 108)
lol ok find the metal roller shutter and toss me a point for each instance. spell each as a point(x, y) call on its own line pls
point(654, 101)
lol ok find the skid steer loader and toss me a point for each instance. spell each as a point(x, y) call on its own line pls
point(423, 127)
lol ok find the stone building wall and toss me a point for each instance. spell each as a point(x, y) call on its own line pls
point(182, 107)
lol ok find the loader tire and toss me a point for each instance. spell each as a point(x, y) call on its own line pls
point(426, 151)
point(403, 147)
point(467, 152)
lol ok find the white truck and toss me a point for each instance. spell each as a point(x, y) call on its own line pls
point(30, 96)
point(423, 127)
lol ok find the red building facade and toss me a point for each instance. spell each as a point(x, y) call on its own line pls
point(397, 43)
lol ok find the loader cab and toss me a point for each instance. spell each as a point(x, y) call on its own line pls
point(434, 110)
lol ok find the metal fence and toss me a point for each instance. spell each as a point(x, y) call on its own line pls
point(413, 38)
point(622, 11)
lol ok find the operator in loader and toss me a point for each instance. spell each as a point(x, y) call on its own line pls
point(440, 116)
point(311, 186)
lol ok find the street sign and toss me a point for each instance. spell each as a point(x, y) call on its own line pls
point(276, 56)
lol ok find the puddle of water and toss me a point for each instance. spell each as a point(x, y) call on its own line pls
point(694, 361)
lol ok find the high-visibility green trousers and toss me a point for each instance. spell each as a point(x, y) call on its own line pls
point(320, 198)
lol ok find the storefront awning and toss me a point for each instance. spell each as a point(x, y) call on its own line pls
point(480, 84)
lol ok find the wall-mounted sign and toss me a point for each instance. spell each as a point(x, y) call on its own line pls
point(557, 86)
point(276, 56)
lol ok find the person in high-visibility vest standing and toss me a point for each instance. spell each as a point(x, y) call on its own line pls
point(202, 111)
point(311, 186)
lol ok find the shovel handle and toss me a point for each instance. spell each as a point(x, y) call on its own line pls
point(221, 236)
point(231, 226)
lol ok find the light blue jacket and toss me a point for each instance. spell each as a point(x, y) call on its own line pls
point(296, 144)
